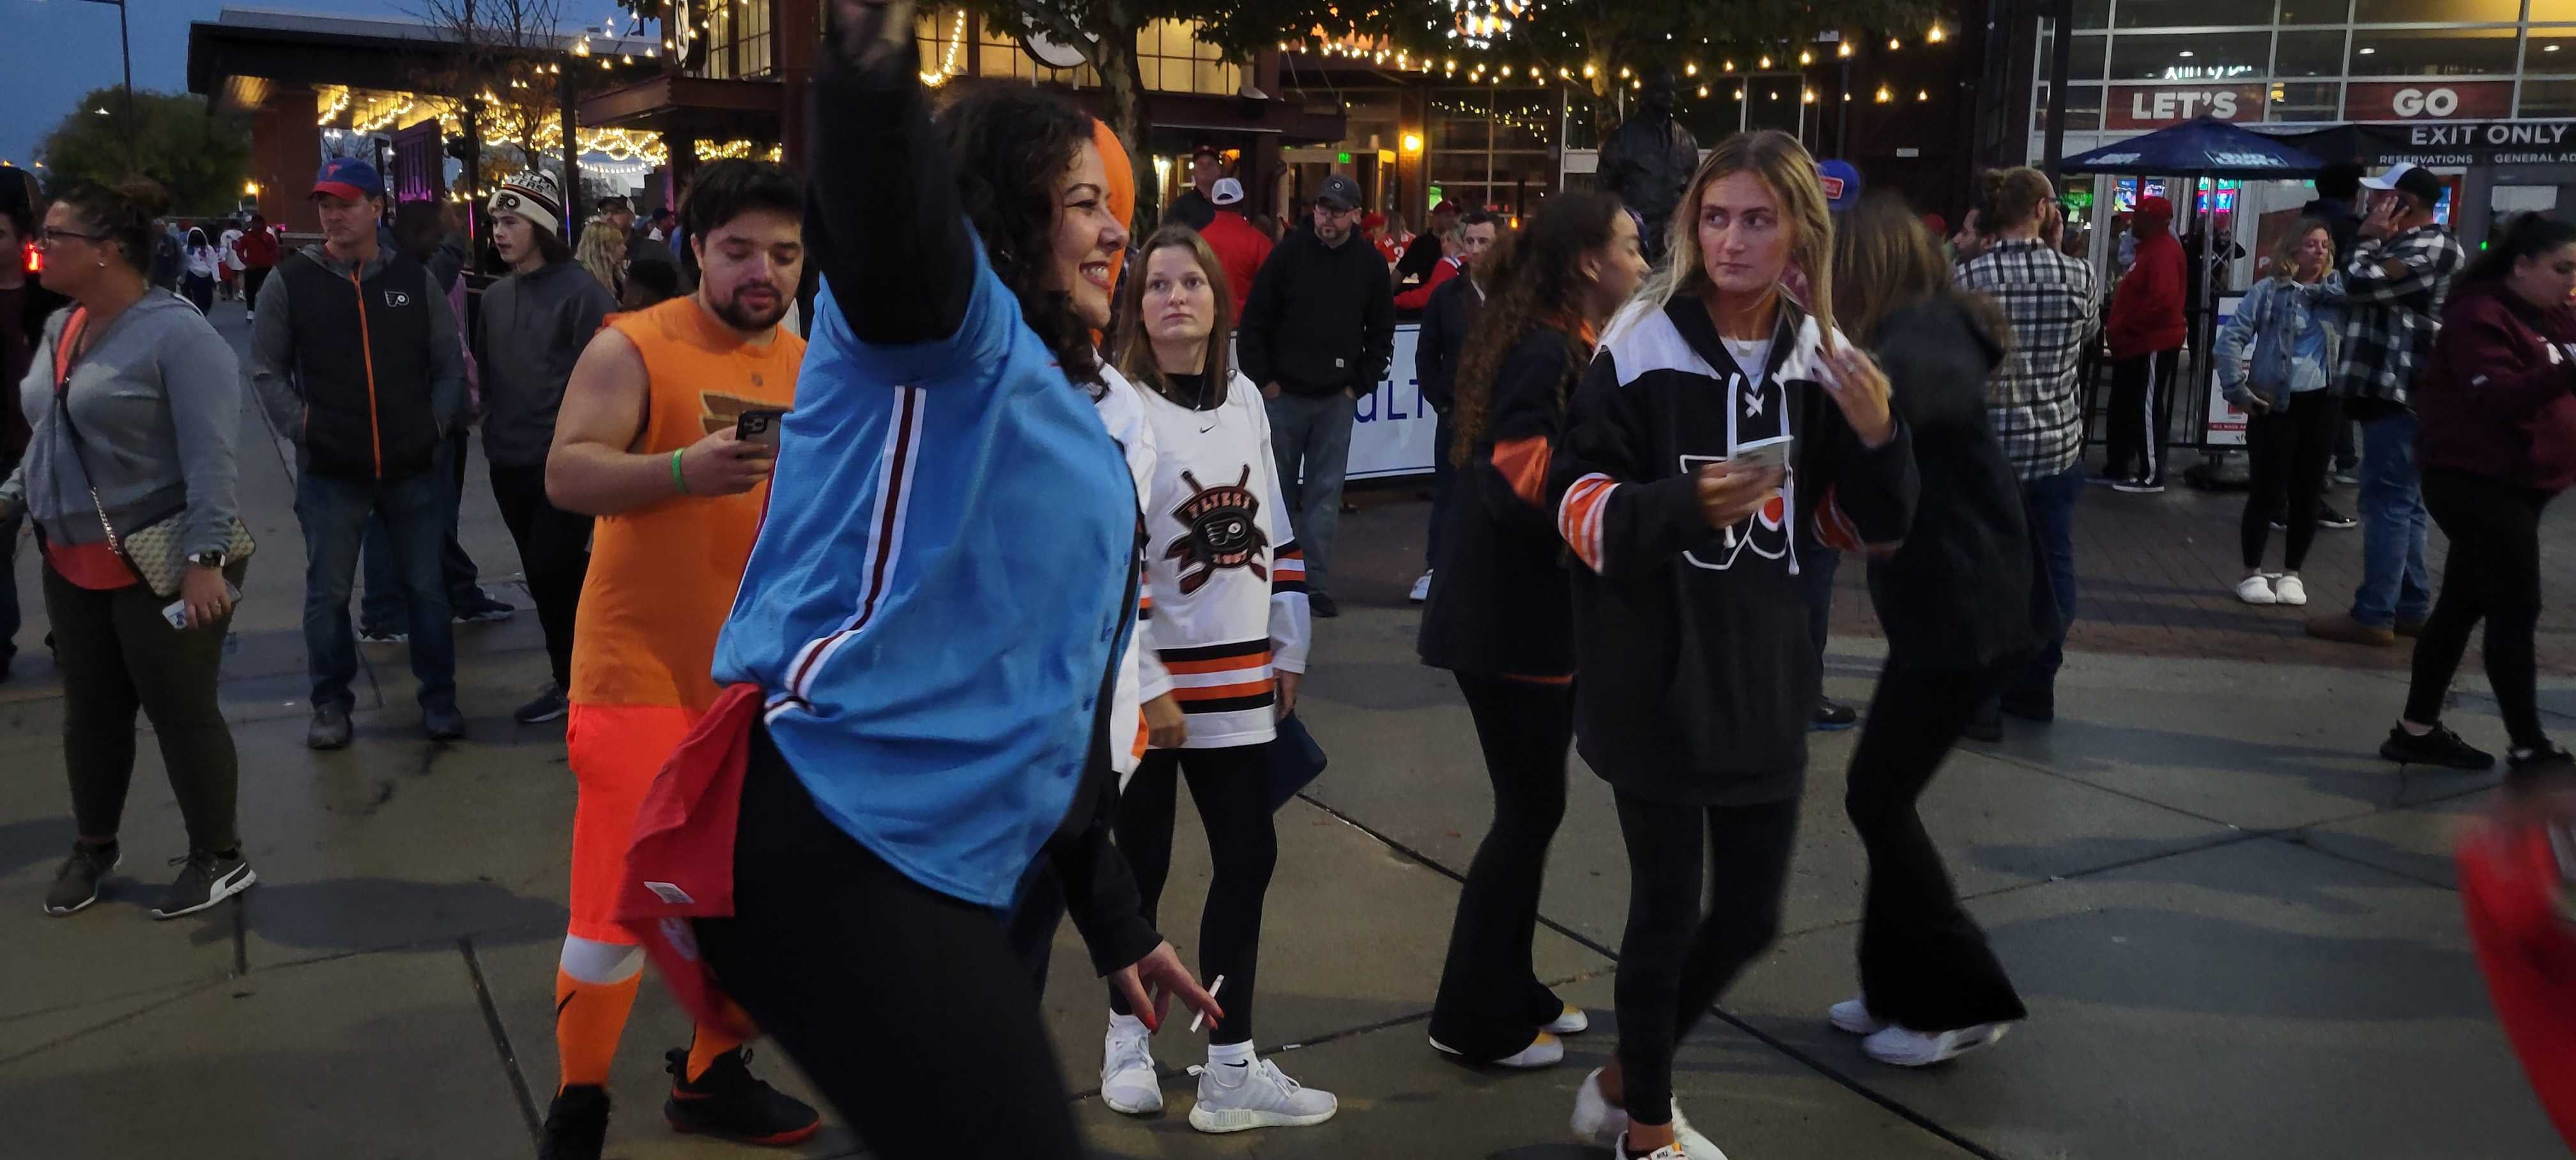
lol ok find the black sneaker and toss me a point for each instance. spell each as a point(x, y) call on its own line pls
point(728, 1103)
point(2440, 747)
point(383, 636)
point(1321, 604)
point(1833, 716)
point(2141, 485)
point(576, 1125)
point(2521, 763)
point(330, 728)
point(76, 884)
point(206, 877)
point(2329, 518)
point(481, 609)
point(549, 705)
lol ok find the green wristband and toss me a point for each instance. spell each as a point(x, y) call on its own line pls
point(682, 481)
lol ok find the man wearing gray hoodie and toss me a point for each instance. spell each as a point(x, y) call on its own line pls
point(355, 356)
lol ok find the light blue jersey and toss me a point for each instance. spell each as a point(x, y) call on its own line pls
point(939, 591)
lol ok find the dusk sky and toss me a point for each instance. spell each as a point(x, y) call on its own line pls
point(52, 51)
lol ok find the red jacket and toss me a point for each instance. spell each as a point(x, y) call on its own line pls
point(2146, 309)
point(2493, 400)
point(1240, 249)
point(1420, 296)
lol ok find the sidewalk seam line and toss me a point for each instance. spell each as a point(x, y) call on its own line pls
point(500, 1038)
point(1818, 1066)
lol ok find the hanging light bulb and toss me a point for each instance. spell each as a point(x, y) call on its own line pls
point(1728, 66)
point(1809, 96)
point(1806, 57)
point(1922, 94)
point(1891, 44)
point(1690, 70)
point(1885, 96)
point(1703, 92)
point(1587, 70)
point(1766, 62)
point(1934, 36)
point(1842, 50)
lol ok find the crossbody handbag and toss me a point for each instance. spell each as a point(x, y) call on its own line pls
point(154, 549)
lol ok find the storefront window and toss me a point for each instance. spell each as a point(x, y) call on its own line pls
point(2193, 56)
point(2547, 11)
point(2186, 13)
point(1490, 147)
point(1715, 117)
point(2433, 52)
point(2550, 50)
point(2089, 14)
point(2083, 62)
point(2296, 101)
point(2548, 98)
point(1174, 60)
point(738, 43)
point(2083, 109)
point(2436, 11)
point(2308, 54)
point(2315, 11)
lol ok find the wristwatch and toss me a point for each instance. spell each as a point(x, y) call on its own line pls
point(214, 558)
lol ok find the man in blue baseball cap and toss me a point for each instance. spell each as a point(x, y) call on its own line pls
point(355, 355)
point(1841, 182)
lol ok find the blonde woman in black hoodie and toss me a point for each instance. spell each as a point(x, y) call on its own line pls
point(1956, 602)
point(1719, 412)
point(1498, 615)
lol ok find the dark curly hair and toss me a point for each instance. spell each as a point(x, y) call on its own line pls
point(123, 211)
point(1008, 147)
point(1532, 278)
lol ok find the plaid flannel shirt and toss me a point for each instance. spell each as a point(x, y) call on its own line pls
point(2392, 318)
point(2034, 398)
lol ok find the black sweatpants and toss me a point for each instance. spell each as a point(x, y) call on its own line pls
point(1924, 964)
point(1491, 1001)
point(2493, 574)
point(2288, 449)
point(554, 551)
point(872, 982)
point(117, 655)
point(2141, 413)
point(1674, 960)
point(1231, 788)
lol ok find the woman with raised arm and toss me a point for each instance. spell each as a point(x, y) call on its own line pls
point(937, 610)
point(1718, 412)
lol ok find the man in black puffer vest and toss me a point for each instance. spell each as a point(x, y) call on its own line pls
point(355, 356)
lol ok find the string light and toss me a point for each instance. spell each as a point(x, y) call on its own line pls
point(1934, 36)
point(1842, 50)
point(1885, 96)
point(1806, 57)
point(1766, 64)
point(948, 65)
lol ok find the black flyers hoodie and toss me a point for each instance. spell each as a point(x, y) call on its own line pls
point(1696, 673)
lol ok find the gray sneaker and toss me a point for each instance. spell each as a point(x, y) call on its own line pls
point(76, 884)
point(330, 728)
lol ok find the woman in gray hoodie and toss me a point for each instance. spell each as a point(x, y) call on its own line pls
point(135, 403)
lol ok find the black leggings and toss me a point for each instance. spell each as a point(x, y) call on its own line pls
point(1491, 1001)
point(1924, 964)
point(2289, 448)
point(554, 551)
point(117, 656)
point(871, 981)
point(2493, 574)
point(1231, 788)
point(1674, 960)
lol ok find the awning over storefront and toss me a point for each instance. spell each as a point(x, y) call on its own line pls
point(2444, 144)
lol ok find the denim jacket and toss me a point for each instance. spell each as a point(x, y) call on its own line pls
point(2271, 319)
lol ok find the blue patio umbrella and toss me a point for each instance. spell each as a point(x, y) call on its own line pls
point(2201, 147)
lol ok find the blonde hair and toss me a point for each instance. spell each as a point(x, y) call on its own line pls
point(1785, 167)
point(603, 253)
point(2014, 196)
point(2285, 253)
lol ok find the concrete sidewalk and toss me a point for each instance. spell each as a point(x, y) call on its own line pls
point(2235, 927)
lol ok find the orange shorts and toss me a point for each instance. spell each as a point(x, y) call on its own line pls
point(615, 751)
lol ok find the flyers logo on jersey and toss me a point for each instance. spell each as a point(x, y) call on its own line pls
point(1222, 532)
point(1766, 531)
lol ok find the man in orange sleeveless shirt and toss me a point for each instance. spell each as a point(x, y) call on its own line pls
point(646, 441)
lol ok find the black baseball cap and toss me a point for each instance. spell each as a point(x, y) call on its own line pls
point(1340, 192)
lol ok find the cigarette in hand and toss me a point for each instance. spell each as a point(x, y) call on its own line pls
point(1213, 988)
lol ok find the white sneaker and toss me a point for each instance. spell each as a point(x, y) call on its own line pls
point(2288, 590)
point(1422, 588)
point(1573, 1022)
point(1128, 1080)
point(1904, 1047)
point(2257, 589)
point(1261, 1096)
point(1543, 1051)
point(1853, 1015)
point(1686, 1145)
point(1594, 1119)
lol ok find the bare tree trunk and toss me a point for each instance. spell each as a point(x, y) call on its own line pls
point(1122, 96)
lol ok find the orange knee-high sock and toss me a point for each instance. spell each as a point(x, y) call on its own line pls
point(705, 1046)
point(589, 1018)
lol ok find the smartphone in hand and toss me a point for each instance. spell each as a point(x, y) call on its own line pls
point(759, 425)
point(1763, 454)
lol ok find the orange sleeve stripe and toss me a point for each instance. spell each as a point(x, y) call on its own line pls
point(1523, 463)
point(1578, 517)
point(1217, 692)
point(1220, 665)
point(1138, 750)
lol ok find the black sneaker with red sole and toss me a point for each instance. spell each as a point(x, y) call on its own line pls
point(576, 1125)
point(729, 1103)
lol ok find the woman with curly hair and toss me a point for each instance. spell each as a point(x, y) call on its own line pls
point(936, 613)
point(1718, 415)
point(1500, 614)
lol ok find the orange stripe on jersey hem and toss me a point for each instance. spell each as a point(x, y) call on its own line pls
point(1222, 665)
point(1186, 693)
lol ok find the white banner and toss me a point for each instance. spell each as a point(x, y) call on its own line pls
point(2226, 423)
point(1392, 432)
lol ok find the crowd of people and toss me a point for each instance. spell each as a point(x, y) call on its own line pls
point(915, 614)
